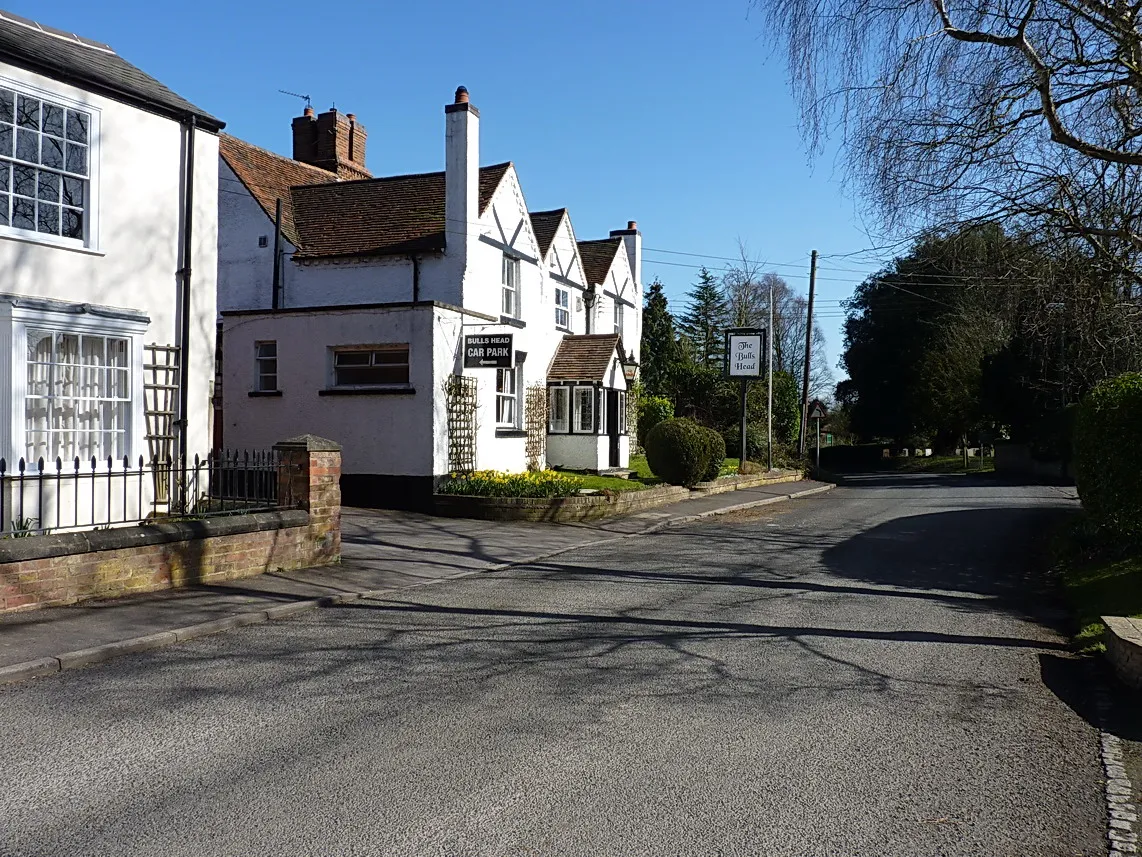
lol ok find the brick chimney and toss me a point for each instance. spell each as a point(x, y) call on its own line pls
point(333, 141)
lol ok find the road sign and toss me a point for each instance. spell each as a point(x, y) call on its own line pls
point(817, 410)
point(488, 350)
point(745, 353)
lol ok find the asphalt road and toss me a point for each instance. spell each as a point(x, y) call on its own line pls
point(870, 672)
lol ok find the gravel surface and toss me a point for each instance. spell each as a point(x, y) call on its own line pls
point(869, 672)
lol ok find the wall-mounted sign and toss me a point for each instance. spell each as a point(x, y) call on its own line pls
point(488, 350)
point(745, 353)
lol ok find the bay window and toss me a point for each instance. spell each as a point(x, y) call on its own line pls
point(585, 409)
point(559, 417)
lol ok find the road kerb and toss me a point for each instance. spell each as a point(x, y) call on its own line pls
point(99, 654)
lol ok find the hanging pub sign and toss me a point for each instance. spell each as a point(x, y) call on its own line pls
point(488, 350)
point(745, 353)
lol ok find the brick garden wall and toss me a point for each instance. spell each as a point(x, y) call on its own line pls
point(52, 570)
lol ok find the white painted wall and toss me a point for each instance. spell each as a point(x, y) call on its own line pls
point(379, 434)
point(134, 257)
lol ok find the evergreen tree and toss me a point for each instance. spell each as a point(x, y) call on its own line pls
point(660, 353)
point(704, 321)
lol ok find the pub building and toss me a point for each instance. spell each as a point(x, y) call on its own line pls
point(429, 323)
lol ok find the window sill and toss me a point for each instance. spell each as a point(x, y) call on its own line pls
point(367, 391)
point(510, 432)
point(512, 322)
point(10, 234)
point(264, 394)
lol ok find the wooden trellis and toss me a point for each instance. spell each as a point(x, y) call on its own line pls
point(160, 397)
point(535, 422)
point(460, 400)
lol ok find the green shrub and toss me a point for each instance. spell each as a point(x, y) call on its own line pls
point(651, 411)
point(715, 453)
point(678, 452)
point(492, 483)
point(755, 441)
point(1107, 449)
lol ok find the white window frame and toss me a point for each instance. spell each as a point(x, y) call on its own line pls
point(563, 305)
point(510, 286)
point(16, 322)
point(590, 396)
point(618, 313)
point(372, 349)
point(514, 397)
point(90, 241)
point(622, 412)
point(554, 425)
point(265, 366)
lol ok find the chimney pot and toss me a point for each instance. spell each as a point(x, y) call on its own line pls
point(351, 116)
point(461, 95)
point(308, 111)
point(632, 224)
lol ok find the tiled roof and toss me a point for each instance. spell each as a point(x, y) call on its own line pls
point(545, 224)
point(584, 358)
point(382, 216)
point(597, 257)
point(269, 177)
point(93, 66)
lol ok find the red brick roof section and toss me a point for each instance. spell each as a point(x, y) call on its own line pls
point(379, 217)
point(269, 177)
point(597, 257)
point(584, 358)
point(322, 216)
point(545, 224)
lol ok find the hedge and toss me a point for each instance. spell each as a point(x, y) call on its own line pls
point(1107, 450)
point(678, 452)
point(715, 453)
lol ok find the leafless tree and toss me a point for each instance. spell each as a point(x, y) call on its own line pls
point(954, 111)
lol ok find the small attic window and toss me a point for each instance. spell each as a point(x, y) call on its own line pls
point(263, 240)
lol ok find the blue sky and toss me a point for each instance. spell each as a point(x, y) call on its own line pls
point(674, 114)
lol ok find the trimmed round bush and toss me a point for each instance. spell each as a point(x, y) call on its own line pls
point(1107, 449)
point(715, 453)
point(677, 452)
point(651, 411)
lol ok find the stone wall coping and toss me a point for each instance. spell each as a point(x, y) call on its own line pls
point(119, 538)
point(309, 443)
point(1125, 628)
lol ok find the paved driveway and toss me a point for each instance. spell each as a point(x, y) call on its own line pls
point(870, 672)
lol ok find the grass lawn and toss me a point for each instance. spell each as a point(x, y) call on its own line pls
point(640, 478)
point(942, 464)
point(1098, 582)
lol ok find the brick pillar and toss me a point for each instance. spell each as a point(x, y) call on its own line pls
point(312, 479)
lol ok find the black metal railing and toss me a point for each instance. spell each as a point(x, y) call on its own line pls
point(45, 496)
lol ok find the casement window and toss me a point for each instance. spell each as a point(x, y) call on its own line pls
point(585, 409)
point(45, 167)
point(78, 398)
point(266, 363)
point(622, 412)
point(510, 305)
point(559, 410)
point(508, 404)
point(562, 308)
point(618, 317)
point(371, 366)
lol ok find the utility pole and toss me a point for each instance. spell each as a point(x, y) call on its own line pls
point(769, 380)
point(808, 352)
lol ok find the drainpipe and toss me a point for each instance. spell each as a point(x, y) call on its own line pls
point(184, 332)
point(276, 300)
point(415, 277)
point(589, 304)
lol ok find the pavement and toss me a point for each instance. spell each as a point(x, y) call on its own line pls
point(876, 671)
point(381, 551)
